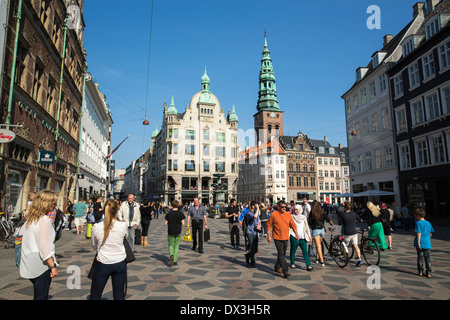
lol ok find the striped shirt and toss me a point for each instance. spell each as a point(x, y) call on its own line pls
point(197, 213)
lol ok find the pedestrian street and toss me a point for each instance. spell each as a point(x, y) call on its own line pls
point(221, 273)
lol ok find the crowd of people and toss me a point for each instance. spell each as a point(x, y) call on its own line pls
point(110, 225)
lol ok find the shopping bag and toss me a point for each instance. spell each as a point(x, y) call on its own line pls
point(187, 236)
point(206, 235)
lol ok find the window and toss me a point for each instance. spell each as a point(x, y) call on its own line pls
point(175, 165)
point(313, 182)
point(404, 157)
point(220, 152)
point(299, 181)
point(398, 85)
point(352, 165)
point(360, 165)
point(401, 120)
point(175, 133)
point(190, 134)
point(438, 149)
point(432, 28)
point(355, 102)
point(422, 153)
point(206, 165)
point(206, 134)
point(363, 96)
point(417, 112)
point(22, 53)
point(189, 149)
point(375, 122)
point(385, 117)
point(220, 166)
point(432, 106)
point(369, 161)
point(37, 81)
point(373, 90)
point(444, 55)
point(305, 182)
point(388, 152)
point(366, 127)
point(291, 181)
point(220, 136)
point(189, 165)
point(447, 100)
point(414, 79)
point(378, 158)
point(206, 150)
point(382, 81)
point(428, 66)
point(408, 47)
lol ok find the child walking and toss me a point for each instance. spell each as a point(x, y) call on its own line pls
point(174, 222)
point(422, 242)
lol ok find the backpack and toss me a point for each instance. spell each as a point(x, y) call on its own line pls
point(59, 222)
point(18, 242)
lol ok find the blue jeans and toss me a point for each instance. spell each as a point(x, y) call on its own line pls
point(102, 272)
point(423, 254)
point(41, 286)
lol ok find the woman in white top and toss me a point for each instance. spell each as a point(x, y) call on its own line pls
point(304, 234)
point(37, 261)
point(107, 239)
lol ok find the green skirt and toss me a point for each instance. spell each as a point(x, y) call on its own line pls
point(376, 232)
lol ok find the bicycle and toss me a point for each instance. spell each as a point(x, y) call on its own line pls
point(337, 249)
point(369, 249)
point(6, 230)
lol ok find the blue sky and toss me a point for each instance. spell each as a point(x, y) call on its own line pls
point(315, 46)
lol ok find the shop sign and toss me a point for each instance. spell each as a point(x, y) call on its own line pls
point(46, 157)
point(6, 136)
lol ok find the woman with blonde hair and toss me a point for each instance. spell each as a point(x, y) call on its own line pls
point(37, 261)
point(107, 239)
point(375, 226)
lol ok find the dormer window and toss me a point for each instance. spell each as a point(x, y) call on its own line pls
point(432, 27)
point(360, 73)
point(408, 47)
point(436, 24)
point(377, 58)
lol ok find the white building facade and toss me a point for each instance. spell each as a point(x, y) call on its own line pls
point(95, 143)
point(368, 110)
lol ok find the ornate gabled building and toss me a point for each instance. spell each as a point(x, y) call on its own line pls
point(193, 150)
point(301, 167)
point(41, 97)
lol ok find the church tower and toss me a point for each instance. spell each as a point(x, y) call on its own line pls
point(269, 118)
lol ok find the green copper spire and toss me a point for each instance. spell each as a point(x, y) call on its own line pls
point(155, 133)
point(233, 116)
point(267, 94)
point(205, 96)
point(172, 110)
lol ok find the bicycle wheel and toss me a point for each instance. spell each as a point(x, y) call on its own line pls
point(339, 252)
point(370, 252)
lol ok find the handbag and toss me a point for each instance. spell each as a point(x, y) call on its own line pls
point(187, 236)
point(91, 271)
point(206, 235)
point(130, 255)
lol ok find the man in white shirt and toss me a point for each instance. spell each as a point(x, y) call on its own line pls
point(306, 207)
point(130, 213)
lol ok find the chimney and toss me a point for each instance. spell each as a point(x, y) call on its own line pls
point(340, 145)
point(386, 39)
point(431, 4)
point(419, 9)
point(325, 138)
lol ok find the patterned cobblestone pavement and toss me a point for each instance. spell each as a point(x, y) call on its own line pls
point(222, 274)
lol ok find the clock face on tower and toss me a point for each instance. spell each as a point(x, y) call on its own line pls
point(272, 115)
